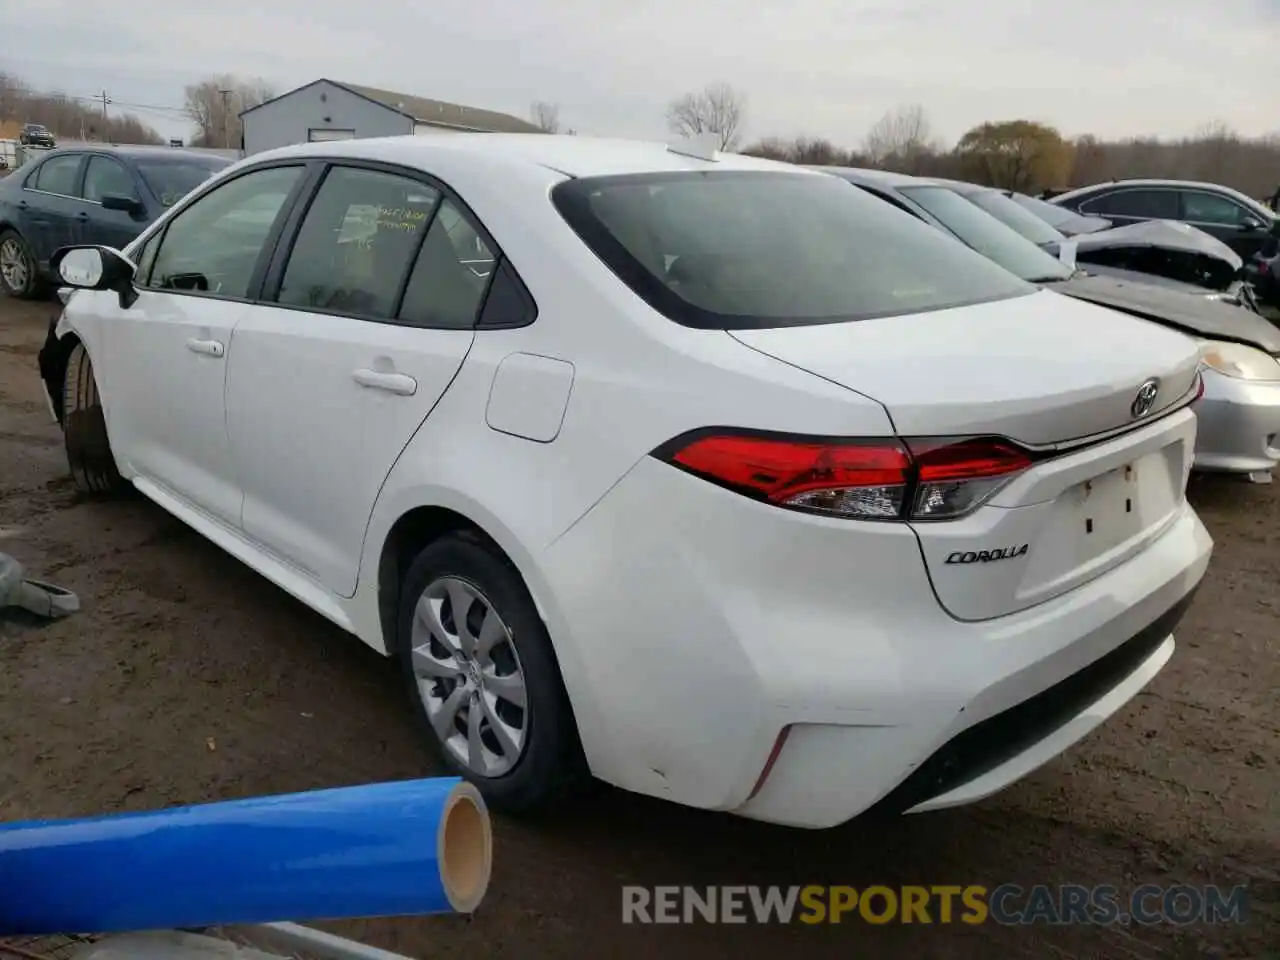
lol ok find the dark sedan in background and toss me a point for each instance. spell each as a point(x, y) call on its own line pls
point(95, 195)
point(1170, 254)
point(1236, 219)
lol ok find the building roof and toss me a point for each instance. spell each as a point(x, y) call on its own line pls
point(422, 110)
point(444, 113)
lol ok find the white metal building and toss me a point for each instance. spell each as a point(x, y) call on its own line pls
point(329, 110)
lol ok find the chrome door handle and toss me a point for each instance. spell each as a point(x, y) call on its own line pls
point(397, 383)
point(210, 348)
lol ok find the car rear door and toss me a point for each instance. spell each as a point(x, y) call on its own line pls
point(52, 200)
point(373, 315)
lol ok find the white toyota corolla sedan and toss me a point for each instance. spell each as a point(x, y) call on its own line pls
point(712, 477)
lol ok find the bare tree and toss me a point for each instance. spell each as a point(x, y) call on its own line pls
point(900, 138)
point(545, 116)
point(718, 108)
point(215, 104)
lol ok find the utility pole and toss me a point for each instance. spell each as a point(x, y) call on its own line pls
point(226, 111)
point(105, 100)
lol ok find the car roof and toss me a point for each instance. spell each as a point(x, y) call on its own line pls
point(569, 155)
point(138, 151)
point(1155, 182)
point(879, 178)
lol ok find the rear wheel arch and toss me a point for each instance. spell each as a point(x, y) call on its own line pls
point(411, 533)
point(416, 544)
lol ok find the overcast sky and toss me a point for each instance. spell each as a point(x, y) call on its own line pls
point(820, 67)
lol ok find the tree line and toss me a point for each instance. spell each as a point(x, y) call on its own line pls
point(1017, 154)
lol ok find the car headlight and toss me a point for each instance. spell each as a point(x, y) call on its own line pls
point(1237, 360)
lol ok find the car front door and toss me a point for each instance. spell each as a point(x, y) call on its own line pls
point(374, 313)
point(165, 364)
point(1239, 228)
point(107, 176)
point(51, 194)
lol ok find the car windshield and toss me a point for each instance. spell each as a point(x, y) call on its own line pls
point(736, 249)
point(1060, 218)
point(171, 179)
point(35, 128)
point(1014, 217)
point(989, 236)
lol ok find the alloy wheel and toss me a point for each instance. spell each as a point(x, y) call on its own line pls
point(13, 265)
point(469, 677)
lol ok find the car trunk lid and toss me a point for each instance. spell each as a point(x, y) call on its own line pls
point(1059, 376)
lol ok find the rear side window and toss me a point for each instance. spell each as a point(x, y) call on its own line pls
point(450, 276)
point(1144, 204)
point(742, 249)
point(357, 242)
point(58, 175)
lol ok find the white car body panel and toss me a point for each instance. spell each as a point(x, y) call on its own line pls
point(691, 625)
point(308, 434)
point(167, 412)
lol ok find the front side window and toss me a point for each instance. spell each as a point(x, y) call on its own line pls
point(58, 175)
point(1201, 207)
point(356, 243)
point(213, 246)
point(989, 236)
point(105, 176)
point(740, 249)
point(1141, 204)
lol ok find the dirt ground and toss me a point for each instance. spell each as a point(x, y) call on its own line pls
point(187, 678)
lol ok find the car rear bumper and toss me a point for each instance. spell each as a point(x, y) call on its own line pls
point(1239, 425)
point(700, 630)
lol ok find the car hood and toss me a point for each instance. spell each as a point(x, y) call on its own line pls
point(1193, 314)
point(1165, 234)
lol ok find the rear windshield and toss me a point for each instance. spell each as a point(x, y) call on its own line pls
point(988, 236)
point(172, 179)
point(739, 249)
point(1015, 217)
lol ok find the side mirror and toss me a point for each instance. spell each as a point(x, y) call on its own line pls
point(96, 268)
point(116, 201)
point(1250, 223)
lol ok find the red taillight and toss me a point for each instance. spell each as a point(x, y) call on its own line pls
point(876, 479)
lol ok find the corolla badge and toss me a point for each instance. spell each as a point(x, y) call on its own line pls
point(1145, 398)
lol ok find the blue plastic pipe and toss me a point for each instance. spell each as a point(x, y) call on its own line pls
point(386, 849)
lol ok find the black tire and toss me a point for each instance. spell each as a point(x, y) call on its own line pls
point(84, 429)
point(552, 766)
point(34, 286)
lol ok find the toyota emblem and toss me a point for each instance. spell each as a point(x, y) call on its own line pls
point(1145, 399)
